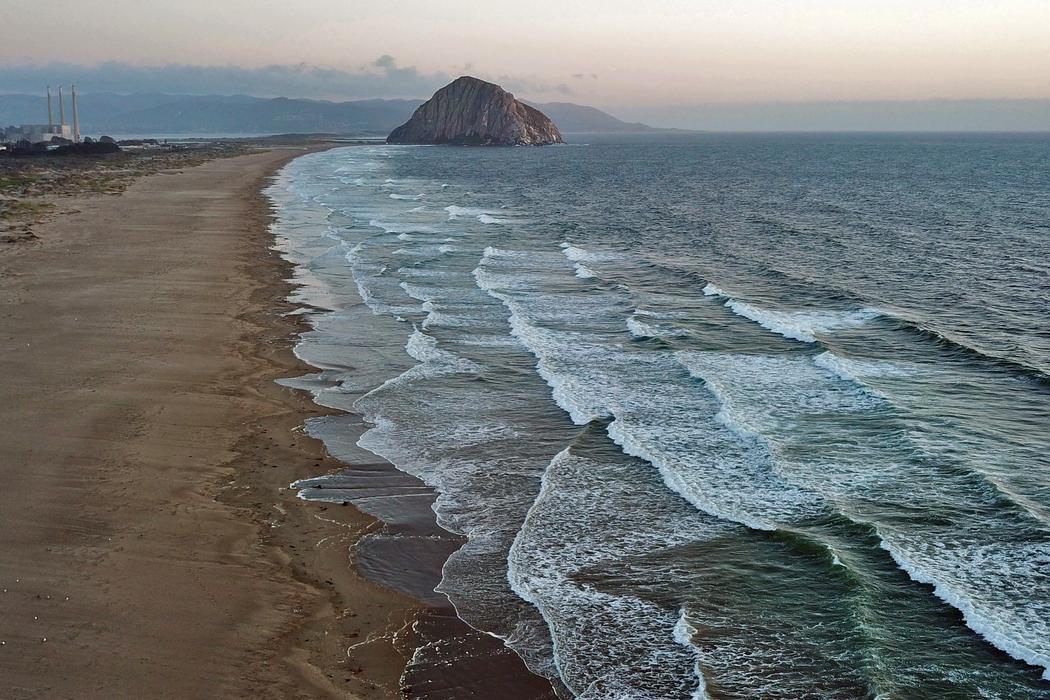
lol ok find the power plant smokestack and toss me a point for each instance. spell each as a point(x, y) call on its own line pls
point(50, 115)
point(76, 118)
point(61, 110)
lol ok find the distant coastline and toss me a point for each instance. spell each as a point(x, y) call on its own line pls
point(136, 115)
point(159, 115)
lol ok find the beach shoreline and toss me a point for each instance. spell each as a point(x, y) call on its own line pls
point(407, 548)
point(144, 440)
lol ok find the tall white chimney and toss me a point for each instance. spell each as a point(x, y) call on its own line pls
point(61, 112)
point(50, 114)
point(76, 118)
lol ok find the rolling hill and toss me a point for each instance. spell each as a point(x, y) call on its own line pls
point(241, 114)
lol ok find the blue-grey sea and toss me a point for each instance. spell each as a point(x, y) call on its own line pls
point(719, 416)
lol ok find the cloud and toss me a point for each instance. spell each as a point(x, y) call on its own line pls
point(383, 77)
point(380, 78)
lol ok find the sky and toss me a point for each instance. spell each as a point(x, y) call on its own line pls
point(655, 59)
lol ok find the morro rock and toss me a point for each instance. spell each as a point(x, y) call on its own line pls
point(472, 112)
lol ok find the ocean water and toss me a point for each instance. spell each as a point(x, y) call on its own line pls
point(717, 417)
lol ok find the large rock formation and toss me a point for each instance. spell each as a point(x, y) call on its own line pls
point(469, 111)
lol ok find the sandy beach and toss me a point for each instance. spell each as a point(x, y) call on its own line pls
point(151, 548)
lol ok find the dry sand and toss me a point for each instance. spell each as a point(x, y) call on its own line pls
point(148, 546)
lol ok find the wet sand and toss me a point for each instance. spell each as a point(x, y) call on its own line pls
point(150, 547)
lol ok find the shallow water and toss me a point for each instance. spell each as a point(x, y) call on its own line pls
point(725, 416)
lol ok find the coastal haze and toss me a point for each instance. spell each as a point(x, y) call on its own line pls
point(754, 65)
point(211, 115)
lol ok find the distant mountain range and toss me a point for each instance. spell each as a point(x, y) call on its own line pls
point(579, 118)
point(108, 113)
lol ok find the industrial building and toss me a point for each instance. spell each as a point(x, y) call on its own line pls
point(46, 133)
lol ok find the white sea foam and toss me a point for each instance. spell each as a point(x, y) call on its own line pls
point(371, 284)
point(644, 329)
point(683, 634)
point(491, 341)
point(657, 416)
point(577, 254)
point(785, 445)
point(456, 212)
point(591, 514)
point(802, 325)
point(712, 291)
point(425, 349)
point(397, 227)
point(860, 370)
point(572, 393)
point(433, 362)
point(425, 272)
point(485, 474)
point(407, 197)
point(437, 318)
point(546, 345)
point(485, 216)
point(494, 252)
point(420, 292)
point(995, 584)
point(489, 219)
point(472, 454)
point(759, 400)
point(984, 582)
point(584, 272)
point(640, 329)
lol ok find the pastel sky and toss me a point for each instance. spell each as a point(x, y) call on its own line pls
point(602, 52)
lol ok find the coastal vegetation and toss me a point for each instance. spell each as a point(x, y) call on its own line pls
point(32, 189)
